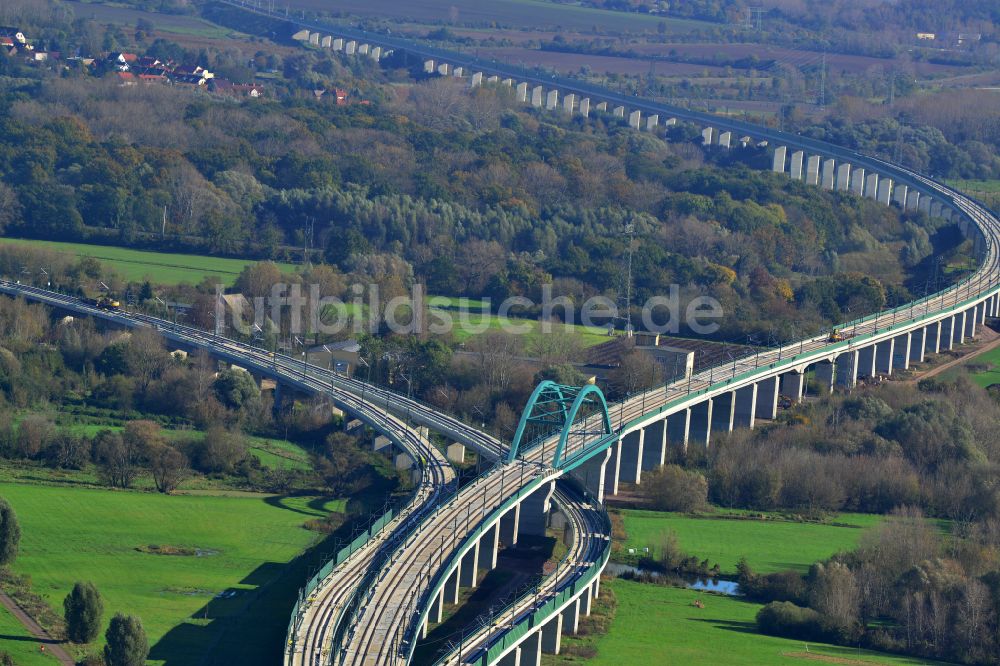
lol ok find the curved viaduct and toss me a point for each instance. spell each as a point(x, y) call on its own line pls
point(374, 606)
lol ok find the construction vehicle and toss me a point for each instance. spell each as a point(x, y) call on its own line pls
point(104, 303)
point(836, 335)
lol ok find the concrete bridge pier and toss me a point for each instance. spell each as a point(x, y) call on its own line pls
point(767, 398)
point(619, 112)
point(534, 518)
point(632, 446)
point(970, 324)
point(591, 474)
point(679, 429)
point(602, 107)
point(531, 650)
point(552, 100)
point(871, 186)
point(612, 471)
point(469, 567)
point(925, 205)
point(338, 44)
point(700, 430)
point(477, 80)
point(812, 170)
point(536, 96)
point(571, 617)
point(352, 46)
point(363, 49)
point(510, 526)
point(654, 446)
point(489, 547)
point(884, 353)
point(428, 66)
point(635, 119)
point(936, 208)
point(780, 157)
point(825, 373)
point(843, 177)
point(652, 122)
point(795, 168)
point(912, 200)
point(745, 406)
point(793, 385)
point(858, 181)
point(726, 140)
point(917, 345)
point(444, 69)
point(899, 194)
point(569, 103)
point(884, 191)
point(437, 609)
point(452, 588)
point(846, 370)
point(866, 362)
point(829, 175)
point(901, 353)
point(932, 338)
point(512, 658)
point(707, 135)
point(552, 634)
point(585, 107)
point(521, 92)
point(723, 411)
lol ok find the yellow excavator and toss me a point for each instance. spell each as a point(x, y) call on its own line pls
point(836, 335)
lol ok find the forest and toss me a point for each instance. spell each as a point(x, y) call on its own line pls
point(463, 191)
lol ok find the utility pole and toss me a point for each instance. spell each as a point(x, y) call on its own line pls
point(822, 83)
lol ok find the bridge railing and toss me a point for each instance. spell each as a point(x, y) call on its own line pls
point(302, 602)
point(555, 598)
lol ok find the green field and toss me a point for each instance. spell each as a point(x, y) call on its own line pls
point(71, 534)
point(158, 267)
point(474, 323)
point(533, 14)
point(659, 625)
point(18, 642)
point(176, 24)
point(769, 545)
point(992, 375)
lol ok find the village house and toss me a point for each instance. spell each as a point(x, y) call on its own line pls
point(226, 87)
point(193, 70)
point(13, 34)
point(122, 61)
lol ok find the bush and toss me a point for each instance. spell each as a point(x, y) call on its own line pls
point(83, 611)
point(672, 488)
point(10, 534)
point(783, 618)
point(126, 642)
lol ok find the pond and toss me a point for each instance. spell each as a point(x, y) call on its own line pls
point(706, 584)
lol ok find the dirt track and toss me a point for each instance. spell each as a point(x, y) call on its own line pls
point(51, 645)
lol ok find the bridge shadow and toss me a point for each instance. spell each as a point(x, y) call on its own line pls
point(248, 625)
point(518, 569)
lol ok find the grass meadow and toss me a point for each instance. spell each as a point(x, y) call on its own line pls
point(991, 375)
point(244, 544)
point(532, 14)
point(660, 625)
point(769, 544)
point(18, 642)
point(157, 267)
